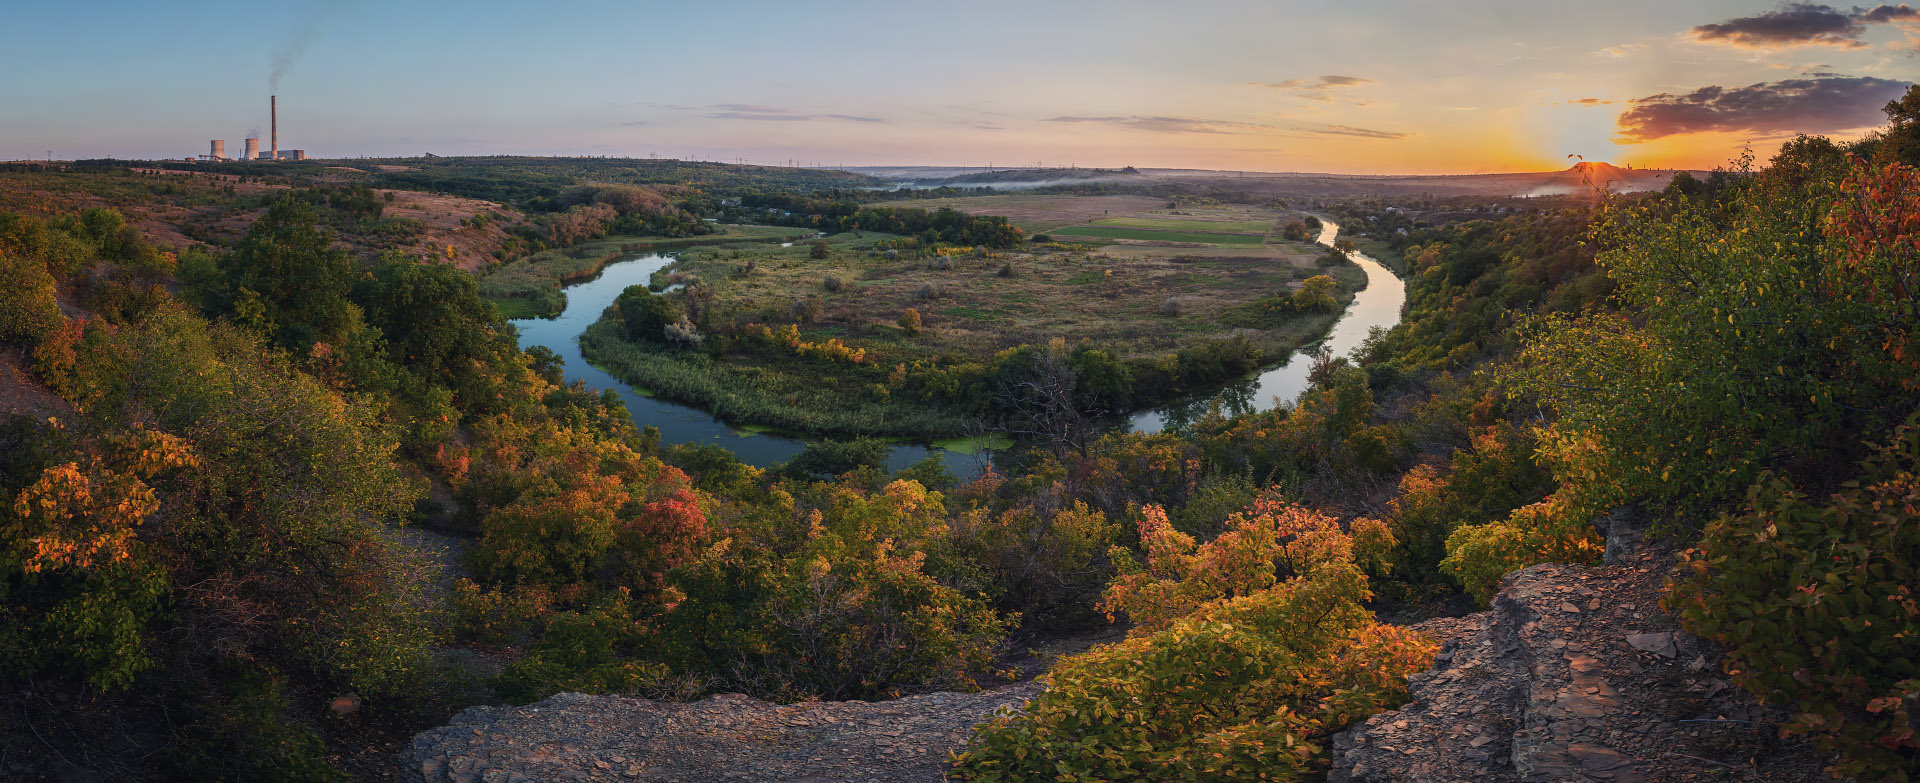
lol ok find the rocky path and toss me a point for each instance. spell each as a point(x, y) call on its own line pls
point(722, 739)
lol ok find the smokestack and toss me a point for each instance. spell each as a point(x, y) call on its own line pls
point(273, 110)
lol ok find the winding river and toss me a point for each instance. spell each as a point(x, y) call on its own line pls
point(677, 423)
point(1378, 305)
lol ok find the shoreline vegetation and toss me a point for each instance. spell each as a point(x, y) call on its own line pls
point(532, 286)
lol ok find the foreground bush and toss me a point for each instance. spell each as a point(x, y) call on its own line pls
point(1551, 531)
point(1816, 604)
point(1246, 687)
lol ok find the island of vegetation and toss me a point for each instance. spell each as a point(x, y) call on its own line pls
point(901, 321)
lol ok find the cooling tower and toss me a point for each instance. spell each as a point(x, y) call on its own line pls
point(253, 149)
point(219, 151)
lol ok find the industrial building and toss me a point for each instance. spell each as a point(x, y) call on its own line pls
point(218, 148)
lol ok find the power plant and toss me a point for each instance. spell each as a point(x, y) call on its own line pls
point(218, 148)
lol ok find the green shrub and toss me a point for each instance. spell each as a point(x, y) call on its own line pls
point(28, 310)
point(1816, 603)
point(237, 730)
point(1247, 688)
point(577, 653)
point(1551, 531)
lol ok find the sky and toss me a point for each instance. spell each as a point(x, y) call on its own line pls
point(1361, 86)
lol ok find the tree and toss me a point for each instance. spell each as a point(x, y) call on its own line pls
point(292, 279)
point(28, 310)
point(1316, 295)
point(1901, 142)
point(646, 314)
point(436, 326)
point(910, 322)
point(819, 251)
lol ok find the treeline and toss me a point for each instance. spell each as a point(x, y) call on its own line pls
point(940, 226)
point(527, 182)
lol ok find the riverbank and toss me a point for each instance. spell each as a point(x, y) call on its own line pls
point(1376, 306)
point(692, 399)
point(531, 287)
point(790, 395)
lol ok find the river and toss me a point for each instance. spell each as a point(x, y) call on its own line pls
point(677, 423)
point(1378, 305)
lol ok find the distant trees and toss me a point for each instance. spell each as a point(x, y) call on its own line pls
point(910, 322)
point(943, 225)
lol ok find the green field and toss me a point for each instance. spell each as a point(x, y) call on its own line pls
point(1108, 232)
point(1167, 224)
point(529, 287)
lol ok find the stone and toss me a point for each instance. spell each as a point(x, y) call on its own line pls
point(346, 704)
point(1502, 708)
point(1660, 644)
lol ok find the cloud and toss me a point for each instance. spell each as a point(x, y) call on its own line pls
point(1801, 24)
point(1163, 124)
point(1819, 105)
point(1621, 50)
point(1888, 14)
point(1156, 124)
point(1348, 130)
point(1594, 102)
point(1316, 89)
point(753, 111)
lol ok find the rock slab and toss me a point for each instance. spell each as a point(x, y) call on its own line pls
point(1575, 675)
point(723, 739)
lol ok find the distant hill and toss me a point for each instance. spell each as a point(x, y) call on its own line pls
point(1582, 177)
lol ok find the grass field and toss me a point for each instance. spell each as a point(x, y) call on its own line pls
point(1258, 227)
point(1382, 252)
point(1039, 214)
point(530, 287)
point(1150, 235)
point(1137, 300)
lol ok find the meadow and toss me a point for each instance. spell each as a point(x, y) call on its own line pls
point(1141, 300)
point(529, 287)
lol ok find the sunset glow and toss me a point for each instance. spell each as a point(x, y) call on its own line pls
point(1399, 86)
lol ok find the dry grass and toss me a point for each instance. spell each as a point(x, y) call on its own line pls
point(1040, 214)
point(1111, 296)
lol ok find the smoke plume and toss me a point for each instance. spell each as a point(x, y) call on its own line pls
point(314, 16)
